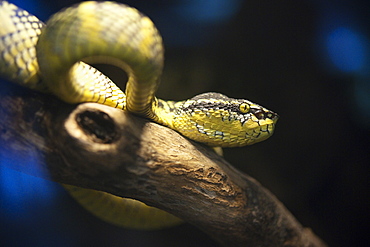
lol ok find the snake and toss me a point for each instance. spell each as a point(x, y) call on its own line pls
point(57, 58)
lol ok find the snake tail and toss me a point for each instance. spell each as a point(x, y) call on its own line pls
point(134, 214)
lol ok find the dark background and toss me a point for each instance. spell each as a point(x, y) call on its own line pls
point(307, 60)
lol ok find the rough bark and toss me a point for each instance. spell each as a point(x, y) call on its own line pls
point(99, 147)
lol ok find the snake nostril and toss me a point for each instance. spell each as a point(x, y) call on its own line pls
point(259, 113)
point(272, 115)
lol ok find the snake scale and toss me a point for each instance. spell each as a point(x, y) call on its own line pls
point(54, 58)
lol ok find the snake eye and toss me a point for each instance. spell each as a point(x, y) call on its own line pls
point(244, 108)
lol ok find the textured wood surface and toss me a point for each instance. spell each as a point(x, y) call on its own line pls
point(99, 147)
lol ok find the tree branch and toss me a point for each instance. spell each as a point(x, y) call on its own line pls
point(102, 148)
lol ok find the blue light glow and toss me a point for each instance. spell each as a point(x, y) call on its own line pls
point(21, 192)
point(346, 49)
point(207, 11)
point(35, 7)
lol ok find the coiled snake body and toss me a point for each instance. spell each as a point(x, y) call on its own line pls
point(53, 58)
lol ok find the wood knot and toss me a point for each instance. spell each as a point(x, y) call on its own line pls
point(99, 125)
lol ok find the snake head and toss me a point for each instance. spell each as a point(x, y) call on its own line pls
point(218, 120)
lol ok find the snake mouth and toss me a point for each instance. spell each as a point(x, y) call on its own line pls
point(260, 134)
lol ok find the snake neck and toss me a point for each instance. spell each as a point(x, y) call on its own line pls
point(164, 112)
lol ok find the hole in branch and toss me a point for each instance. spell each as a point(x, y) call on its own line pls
point(99, 125)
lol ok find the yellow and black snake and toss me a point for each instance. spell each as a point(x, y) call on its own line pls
point(54, 58)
